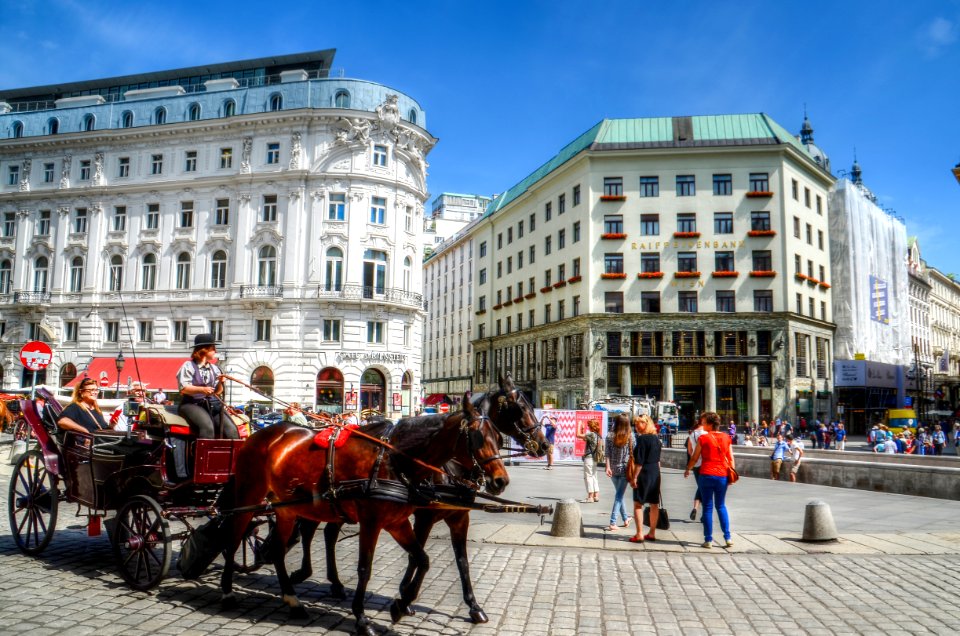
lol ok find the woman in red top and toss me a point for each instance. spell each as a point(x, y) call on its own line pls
point(713, 449)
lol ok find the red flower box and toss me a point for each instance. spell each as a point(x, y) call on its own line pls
point(575, 279)
point(612, 275)
point(613, 235)
point(686, 274)
point(650, 275)
point(507, 303)
point(496, 307)
point(757, 194)
point(613, 197)
point(763, 273)
point(762, 233)
point(544, 290)
point(730, 274)
point(530, 295)
point(480, 312)
point(825, 284)
point(518, 300)
point(686, 235)
point(559, 284)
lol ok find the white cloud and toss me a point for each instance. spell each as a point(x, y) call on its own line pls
point(936, 36)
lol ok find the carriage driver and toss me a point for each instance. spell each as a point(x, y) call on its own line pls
point(200, 385)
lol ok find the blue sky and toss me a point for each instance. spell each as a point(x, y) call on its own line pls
point(507, 84)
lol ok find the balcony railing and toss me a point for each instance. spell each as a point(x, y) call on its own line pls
point(370, 292)
point(31, 298)
point(261, 291)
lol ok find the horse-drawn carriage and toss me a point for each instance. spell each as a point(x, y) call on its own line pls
point(376, 475)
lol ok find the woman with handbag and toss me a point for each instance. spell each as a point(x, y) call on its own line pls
point(592, 438)
point(716, 470)
point(618, 445)
point(644, 474)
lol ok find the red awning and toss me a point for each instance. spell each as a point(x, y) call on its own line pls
point(154, 373)
point(437, 398)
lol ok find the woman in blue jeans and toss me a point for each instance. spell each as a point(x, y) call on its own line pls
point(713, 449)
point(617, 447)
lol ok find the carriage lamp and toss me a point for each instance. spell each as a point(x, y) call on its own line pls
point(119, 362)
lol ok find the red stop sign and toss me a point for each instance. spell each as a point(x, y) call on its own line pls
point(36, 355)
point(104, 381)
point(444, 407)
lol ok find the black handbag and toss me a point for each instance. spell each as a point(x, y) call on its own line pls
point(663, 521)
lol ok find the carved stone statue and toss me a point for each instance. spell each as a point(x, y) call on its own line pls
point(388, 113)
point(245, 165)
point(351, 130)
point(65, 171)
point(98, 168)
point(25, 175)
point(295, 151)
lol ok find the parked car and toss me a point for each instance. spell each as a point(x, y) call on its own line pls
point(267, 419)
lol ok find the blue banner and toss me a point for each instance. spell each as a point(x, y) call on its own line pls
point(879, 307)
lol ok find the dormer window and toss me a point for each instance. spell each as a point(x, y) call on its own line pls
point(160, 116)
point(342, 99)
point(276, 101)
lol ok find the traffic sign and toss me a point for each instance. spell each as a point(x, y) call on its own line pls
point(104, 381)
point(444, 407)
point(36, 355)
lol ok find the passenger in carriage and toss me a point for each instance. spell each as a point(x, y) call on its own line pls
point(201, 384)
point(83, 414)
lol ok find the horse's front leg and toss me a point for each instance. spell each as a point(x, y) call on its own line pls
point(459, 524)
point(308, 528)
point(369, 533)
point(418, 561)
point(331, 532)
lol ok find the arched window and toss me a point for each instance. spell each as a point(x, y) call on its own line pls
point(183, 271)
point(40, 272)
point(333, 280)
point(374, 273)
point(194, 113)
point(262, 380)
point(6, 275)
point(126, 119)
point(89, 122)
point(76, 274)
point(53, 126)
point(412, 116)
point(407, 275)
point(148, 279)
point(373, 391)
point(276, 101)
point(67, 373)
point(218, 270)
point(342, 99)
point(160, 116)
point(116, 272)
point(267, 266)
point(229, 108)
point(17, 129)
point(330, 390)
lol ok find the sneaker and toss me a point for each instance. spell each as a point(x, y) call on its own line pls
point(728, 544)
point(706, 544)
point(693, 515)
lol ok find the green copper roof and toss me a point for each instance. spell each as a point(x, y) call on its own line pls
point(750, 129)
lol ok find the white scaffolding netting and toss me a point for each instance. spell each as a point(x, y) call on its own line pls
point(871, 303)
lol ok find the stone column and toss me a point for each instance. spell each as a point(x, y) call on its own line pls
point(710, 388)
point(753, 393)
point(626, 379)
point(667, 383)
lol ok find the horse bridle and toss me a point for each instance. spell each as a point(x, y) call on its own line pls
point(475, 443)
point(530, 445)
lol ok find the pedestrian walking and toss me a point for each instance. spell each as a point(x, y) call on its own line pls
point(796, 456)
point(618, 446)
point(939, 439)
point(692, 439)
point(715, 451)
point(645, 477)
point(550, 433)
point(780, 450)
point(841, 436)
point(592, 438)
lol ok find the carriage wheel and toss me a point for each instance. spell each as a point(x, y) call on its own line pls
point(32, 502)
point(141, 543)
point(250, 557)
point(21, 430)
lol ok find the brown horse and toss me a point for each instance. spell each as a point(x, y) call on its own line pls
point(362, 484)
point(513, 415)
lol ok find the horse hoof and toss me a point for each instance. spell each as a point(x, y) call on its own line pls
point(338, 592)
point(228, 602)
point(366, 629)
point(478, 616)
point(299, 612)
point(396, 613)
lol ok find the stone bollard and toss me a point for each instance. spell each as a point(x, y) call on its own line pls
point(567, 521)
point(818, 523)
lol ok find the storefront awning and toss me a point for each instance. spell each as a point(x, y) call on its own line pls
point(154, 373)
point(437, 398)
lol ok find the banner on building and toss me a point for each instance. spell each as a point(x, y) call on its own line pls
point(567, 447)
point(943, 365)
point(879, 310)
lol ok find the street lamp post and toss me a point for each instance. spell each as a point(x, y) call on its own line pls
point(119, 362)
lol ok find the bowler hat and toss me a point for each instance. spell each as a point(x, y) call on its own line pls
point(204, 340)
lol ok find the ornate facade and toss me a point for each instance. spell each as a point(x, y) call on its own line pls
point(261, 200)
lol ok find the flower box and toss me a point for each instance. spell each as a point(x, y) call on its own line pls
point(613, 236)
point(612, 275)
point(559, 284)
point(686, 235)
point(480, 312)
point(518, 299)
point(762, 233)
point(496, 307)
point(544, 290)
point(575, 279)
point(763, 273)
point(686, 274)
point(507, 303)
point(613, 197)
point(650, 275)
point(825, 284)
point(723, 274)
point(530, 295)
point(758, 194)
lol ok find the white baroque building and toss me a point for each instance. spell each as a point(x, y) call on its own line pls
point(261, 200)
